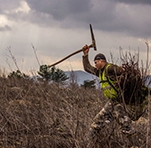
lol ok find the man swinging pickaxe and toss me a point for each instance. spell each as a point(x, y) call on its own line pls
point(93, 45)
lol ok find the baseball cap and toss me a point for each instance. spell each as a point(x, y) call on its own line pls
point(99, 57)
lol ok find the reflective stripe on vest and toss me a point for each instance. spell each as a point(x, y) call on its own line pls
point(106, 85)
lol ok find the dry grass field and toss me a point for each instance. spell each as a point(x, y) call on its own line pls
point(38, 115)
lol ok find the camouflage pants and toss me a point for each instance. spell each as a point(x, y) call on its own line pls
point(112, 110)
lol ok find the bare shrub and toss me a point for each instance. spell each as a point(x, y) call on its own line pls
point(40, 115)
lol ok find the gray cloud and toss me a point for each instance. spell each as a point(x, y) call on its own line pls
point(105, 15)
point(135, 1)
point(5, 28)
point(8, 5)
point(60, 9)
point(54, 26)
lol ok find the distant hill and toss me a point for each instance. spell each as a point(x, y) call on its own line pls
point(81, 76)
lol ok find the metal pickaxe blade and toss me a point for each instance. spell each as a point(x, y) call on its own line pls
point(93, 38)
point(93, 45)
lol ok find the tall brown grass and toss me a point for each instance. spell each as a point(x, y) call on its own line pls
point(38, 115)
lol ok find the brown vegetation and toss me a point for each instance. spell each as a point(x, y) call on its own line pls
point(36, 115)
point(39, 115)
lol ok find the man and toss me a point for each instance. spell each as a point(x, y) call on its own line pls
point(109, 75)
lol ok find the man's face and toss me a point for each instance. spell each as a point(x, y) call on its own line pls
point(98, 64)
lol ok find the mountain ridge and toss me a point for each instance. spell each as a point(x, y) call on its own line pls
point(81, 76)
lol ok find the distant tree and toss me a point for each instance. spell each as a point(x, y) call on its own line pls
point(18, 74)
point(88, 84)
point(53, 74)
point(58, 75)
point(44, 72)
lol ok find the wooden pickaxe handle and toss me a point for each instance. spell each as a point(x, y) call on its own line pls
point(80, 50)
point(93, 45)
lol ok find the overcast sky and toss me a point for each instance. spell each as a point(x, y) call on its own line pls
point(57, 28)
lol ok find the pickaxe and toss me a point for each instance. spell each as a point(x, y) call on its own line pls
point(93, 45)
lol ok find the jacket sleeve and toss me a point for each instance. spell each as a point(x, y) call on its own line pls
point(88, 67)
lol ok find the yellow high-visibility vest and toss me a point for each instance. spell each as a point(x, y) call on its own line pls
point(107, 85)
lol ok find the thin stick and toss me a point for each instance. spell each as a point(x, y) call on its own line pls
point(35, 53)
point(149, 100)
point(147, 61)
point(13, 58)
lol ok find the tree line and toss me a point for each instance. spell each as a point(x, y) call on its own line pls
point(49, 75)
